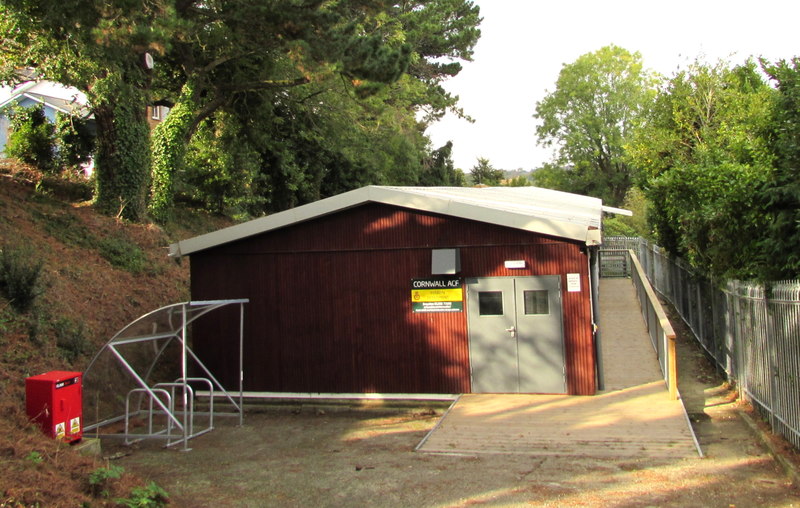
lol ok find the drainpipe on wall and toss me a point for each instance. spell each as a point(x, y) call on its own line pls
point(594, 293)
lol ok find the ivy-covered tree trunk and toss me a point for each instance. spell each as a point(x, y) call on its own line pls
point(122, 160)
point(170, 139)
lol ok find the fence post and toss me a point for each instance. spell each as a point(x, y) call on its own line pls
point(672, 357)
point(769, 326)
point(735, 337)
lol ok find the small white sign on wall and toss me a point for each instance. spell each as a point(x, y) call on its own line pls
point(573, 283)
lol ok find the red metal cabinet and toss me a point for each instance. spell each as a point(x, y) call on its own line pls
point(55, 401)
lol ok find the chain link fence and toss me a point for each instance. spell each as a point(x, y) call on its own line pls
point(751, 332)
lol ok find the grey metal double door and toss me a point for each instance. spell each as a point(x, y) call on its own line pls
point(516, 340)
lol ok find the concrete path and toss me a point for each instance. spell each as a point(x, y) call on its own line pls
point(632, 417)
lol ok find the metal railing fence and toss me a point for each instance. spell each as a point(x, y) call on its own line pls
point(752, 334)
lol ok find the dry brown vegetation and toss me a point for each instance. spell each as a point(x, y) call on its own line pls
point(98, 274)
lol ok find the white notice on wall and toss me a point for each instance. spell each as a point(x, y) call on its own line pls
point(573, 282)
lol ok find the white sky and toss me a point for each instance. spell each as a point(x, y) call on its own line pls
point(524, 44)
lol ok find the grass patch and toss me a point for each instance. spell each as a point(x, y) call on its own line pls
point(65, 228)
point(124, 254)
point(116, 249)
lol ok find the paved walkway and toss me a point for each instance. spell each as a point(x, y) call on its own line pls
point(632, 417)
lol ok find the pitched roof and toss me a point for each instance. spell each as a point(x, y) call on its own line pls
point(543, 211)
point(62, 98)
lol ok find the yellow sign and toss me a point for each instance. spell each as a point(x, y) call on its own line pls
point(443, 294)
point(437, 295)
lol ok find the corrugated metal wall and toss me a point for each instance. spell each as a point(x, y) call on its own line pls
point(330, 303)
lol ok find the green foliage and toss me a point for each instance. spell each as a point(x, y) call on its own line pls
point(636, 201)
point(117, 250)
point(598, 102)
point(327, 94)
point(483, 173)
point(614, 226)
point(32, 139)
point(99, 479)
point(519, 181)
point(552, 176)
point(122, 253)
point(35, 457)
point(286, 128)
point(96, 47)
point(75, 141)
point(702, 154)
point(169, 150)
point(71, 338)
point(20, 277)
point(122, 144)
point(222, 169)
point(65, 227)
point(440, 33)
point(50, 147)
point(149, 496)
point(780, 194)
point(438, 169)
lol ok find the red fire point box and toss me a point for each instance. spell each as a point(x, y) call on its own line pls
point(54, 400)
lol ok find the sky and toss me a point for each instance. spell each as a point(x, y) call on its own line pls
point(525, 43)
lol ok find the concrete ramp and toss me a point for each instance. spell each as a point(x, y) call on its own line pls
point(629, 423)
point(633, 418)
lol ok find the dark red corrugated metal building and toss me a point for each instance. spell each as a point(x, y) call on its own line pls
point(398, 290)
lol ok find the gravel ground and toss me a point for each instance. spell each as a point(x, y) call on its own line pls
point(343, 455)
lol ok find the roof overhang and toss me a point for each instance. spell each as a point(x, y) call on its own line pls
point(533, 209)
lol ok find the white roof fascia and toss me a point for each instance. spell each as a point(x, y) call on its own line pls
point(529, 201)
point(11, 93)
point(35, 98)
point(41, 99)
point(478, 212)
point(269, 222)
point(617, 211)
point(577, 218)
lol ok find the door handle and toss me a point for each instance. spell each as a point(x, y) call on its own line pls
point(511, 330)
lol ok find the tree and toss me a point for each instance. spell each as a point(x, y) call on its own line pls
point(598, 101)
point(780, 194)
point(319, 48)
point(99, 48)
point(702, 154)
point(216, 55)
point(222, 169)
point(483, 173)
point(439, 170)
point(227, 49)
point(519, 181)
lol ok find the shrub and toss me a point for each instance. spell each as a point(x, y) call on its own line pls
point(151, 495)
point(32, 138)
point(71, 338)
point(75, 141)
point(20, 278)
point(99, 479)
point(123, 254)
